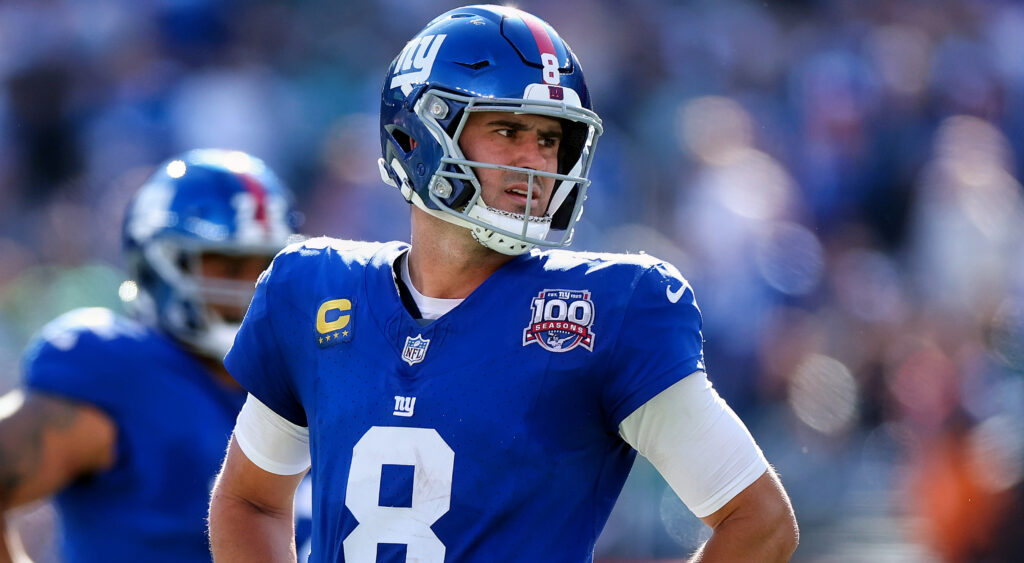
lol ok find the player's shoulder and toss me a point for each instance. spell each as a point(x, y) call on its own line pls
point(326, 255)
point(304, 275)
point(91, 334)
point(345, 249)
point(618, 276)
point(604, 264)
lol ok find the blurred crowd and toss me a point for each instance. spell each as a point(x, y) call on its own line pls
point(839, 180)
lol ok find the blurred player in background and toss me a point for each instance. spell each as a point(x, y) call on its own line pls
point(469, 397)
point(125, 421)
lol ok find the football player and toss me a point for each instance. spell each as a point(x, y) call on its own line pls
point(480, 394)
point(125, 421)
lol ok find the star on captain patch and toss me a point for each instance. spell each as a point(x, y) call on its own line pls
point(415, 349)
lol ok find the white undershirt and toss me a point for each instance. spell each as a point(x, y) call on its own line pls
point(687, 431)
point(431, 308)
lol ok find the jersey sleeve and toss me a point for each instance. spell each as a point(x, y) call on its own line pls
point(658, 343)
point(257, 360)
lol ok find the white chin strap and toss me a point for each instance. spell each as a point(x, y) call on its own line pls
point(536, 228)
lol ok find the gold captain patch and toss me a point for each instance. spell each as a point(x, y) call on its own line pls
point(334, 322)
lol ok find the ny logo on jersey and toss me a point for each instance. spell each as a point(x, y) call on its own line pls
point(415, 349)
point(404, 405)
point(561, 320)
point(416, 61)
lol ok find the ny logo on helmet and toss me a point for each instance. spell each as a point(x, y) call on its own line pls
point(415, 62)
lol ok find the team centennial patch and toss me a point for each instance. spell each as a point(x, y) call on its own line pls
point(334, 322)
point(415, 349)
point(561, 320)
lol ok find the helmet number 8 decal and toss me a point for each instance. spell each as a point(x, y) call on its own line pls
point(433, 463)
point(550, 63)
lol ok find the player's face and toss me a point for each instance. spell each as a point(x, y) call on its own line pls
point(227, 271)
point(522, 140)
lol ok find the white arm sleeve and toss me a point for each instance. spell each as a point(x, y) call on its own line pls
point(270, 440)
point(697, 443)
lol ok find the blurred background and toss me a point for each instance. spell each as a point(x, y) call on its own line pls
point(839, 180)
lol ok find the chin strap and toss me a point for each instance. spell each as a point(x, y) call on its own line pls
point(500, 243)
point(536, 228)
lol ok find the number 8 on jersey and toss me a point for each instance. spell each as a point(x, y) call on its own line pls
point(433, 463)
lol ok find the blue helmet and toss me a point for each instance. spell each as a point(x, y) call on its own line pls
point(485, 58)
point(204, 201)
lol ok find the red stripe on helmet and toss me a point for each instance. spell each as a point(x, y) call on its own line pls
point(259, 193)
point(540, 33)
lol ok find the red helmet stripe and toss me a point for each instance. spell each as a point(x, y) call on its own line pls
point(540, 34)
point(259, 193)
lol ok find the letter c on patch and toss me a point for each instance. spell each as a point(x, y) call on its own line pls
point(323, 326)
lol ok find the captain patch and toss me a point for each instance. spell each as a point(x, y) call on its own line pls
point(334, 322)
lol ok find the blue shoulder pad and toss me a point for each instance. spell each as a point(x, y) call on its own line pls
point(77, 355)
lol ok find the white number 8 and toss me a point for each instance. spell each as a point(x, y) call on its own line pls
point(433, 462)
point(550, 64)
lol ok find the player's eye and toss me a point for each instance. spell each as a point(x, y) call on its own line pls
point(549, 142)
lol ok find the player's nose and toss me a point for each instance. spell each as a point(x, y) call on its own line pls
point(527, 152)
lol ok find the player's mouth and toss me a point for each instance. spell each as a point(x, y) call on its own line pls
point(518, 195)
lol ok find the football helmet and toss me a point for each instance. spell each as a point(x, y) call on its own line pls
point(495, 59)
point(210, 201)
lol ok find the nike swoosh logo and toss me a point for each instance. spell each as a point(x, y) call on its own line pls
point(673, 296)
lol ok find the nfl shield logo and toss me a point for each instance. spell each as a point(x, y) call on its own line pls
point(415, 349)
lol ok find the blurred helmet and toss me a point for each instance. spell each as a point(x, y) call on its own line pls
point(216, 202)
point(485, 58)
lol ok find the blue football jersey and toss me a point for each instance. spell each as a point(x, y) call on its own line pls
point(173, 423)
point(490, 434)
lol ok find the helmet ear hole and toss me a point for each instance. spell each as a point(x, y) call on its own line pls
point(181, 261)
point(402, 138)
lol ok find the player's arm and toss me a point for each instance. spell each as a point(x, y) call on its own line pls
point(756, 525)
point(46, 442)
point(251, 510)
point(706, 454)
